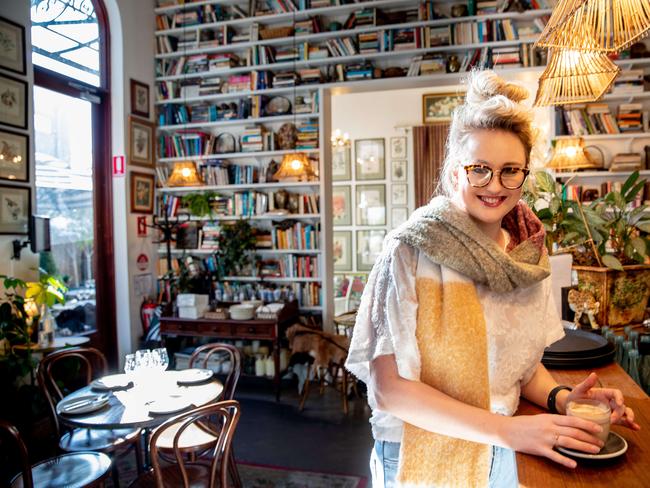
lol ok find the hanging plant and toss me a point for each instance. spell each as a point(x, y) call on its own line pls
point(199, 203)
point(235, 242)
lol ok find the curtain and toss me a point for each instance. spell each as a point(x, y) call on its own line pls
point(429, 151)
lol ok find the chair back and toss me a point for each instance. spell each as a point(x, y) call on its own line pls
point(218, 419)
point(8, 430)
point(87, 363)
point(202, 354)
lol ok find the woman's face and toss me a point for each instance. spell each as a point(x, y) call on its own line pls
point(502, 152)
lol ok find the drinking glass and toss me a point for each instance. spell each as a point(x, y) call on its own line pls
point(129, 364)
point(162, 358)
point(143, 359)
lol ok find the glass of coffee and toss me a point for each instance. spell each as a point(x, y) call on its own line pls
point(594, 411)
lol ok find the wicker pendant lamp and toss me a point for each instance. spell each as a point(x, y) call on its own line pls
point(575, 77)
point(596, 25)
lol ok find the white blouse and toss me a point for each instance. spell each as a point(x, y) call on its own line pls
point(520, 324)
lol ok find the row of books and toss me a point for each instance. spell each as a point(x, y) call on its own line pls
point(298, 236)
point(596, 118)
point(289, 266)
point(589, 193)
point(308, 294)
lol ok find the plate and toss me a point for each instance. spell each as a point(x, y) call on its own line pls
point(193, 376)
point(82, 404)
point(167, 405)
point(578, 343)
point(579, 362)
point(112, 382)
point(278, 106)
point(614, 447)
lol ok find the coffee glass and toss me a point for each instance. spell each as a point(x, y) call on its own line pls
point(594, 411)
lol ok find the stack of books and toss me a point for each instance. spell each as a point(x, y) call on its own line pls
point(630, 81)
point(285, 78)
point(368, 42)
point(309, 75)
point(209, 237)
point(629, 117)
point(238, 83)
point(251, 139)
point(307, 135)
point(358, 72)
point(506, 57)
point(223, 62)
point(215, 172)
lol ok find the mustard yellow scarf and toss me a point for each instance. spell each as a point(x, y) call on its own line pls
point(451, 332)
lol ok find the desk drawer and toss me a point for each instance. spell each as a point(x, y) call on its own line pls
point(215, 330)
point(261, 331)
point(179, 328)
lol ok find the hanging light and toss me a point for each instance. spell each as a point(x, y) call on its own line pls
point(575, 77)
point(596, 25)
point(339, 139)
point(184, 174)
point(295, 167)
point(569, 155)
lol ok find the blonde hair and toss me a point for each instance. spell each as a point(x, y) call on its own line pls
point(490, 103)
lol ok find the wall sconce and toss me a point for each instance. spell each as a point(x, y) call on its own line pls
point(339, 139)
point(39, 237)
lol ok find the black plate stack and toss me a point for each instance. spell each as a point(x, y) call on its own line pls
point(578, 349)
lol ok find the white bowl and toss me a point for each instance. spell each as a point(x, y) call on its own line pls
point(242, 312)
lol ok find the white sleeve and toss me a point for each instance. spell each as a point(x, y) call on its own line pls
point(388, 300)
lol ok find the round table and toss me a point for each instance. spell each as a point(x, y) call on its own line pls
point(129, 408)
point(56, 344)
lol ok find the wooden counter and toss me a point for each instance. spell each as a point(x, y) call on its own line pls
point(630, 471)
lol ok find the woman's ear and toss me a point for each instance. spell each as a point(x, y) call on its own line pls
point(454, 178)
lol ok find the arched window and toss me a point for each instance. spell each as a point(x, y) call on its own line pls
point(73, 170)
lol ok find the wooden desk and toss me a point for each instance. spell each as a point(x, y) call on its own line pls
point(266, 330)
point(630, 471)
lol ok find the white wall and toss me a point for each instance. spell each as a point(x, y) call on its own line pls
point(26, 268)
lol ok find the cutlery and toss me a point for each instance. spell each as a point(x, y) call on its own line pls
point(82, 403)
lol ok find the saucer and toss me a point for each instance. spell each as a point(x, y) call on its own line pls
point(193, 376)
point(82, 404)
point(614, 447)
point(112, 382)
point(167, 405)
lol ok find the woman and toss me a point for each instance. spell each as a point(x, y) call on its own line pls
point(456, 315)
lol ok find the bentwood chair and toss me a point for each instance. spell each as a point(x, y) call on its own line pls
point(196, 440)
point(68, 470)
point(72, 369)
point(218, 420)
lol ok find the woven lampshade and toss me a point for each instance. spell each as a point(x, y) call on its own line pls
point(184, 174)
point(596, 25)
point(294, 166)
point(569, 155)
point(575, 77)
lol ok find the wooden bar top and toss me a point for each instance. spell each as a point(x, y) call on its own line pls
point(630, 470)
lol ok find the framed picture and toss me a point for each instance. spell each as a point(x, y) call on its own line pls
point(398, 147)
point(141, 140)
point(371, 204)
point(341, 163)
point(369, 154)
point(399, 195)
point(15, 209)
point(12, 46)
point(369, 245)
point(342, 250)
point(142, 189)
point(398, 215)
point(438, 107)
point(398, 170)
point(14, 156)
point(13, 102)
point(341, 205)
point(139, 99)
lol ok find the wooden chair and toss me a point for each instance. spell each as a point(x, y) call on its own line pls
point(196, 440)
point(69, 470)
point(91, 363)
point(217, 419)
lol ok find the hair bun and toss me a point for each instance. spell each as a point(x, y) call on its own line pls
point(485, 84)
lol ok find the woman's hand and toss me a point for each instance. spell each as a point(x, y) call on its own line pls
point(621, 414)
point(539, 434)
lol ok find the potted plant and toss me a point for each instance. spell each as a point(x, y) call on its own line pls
point(235, 242)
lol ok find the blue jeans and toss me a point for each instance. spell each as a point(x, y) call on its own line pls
point(385, 457)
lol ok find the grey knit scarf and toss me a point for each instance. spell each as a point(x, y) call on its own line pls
point(448, 236)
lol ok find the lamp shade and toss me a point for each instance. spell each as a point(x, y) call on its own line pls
point(596, 25)
point(569, 155)
point(575, 77)
point(184, 174)
point(294, 166)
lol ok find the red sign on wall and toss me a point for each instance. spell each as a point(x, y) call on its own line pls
point(118, 166)
point(142, 226)
point(142, 262)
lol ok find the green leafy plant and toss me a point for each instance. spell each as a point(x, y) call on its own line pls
point(199, 203)
point(235, 240)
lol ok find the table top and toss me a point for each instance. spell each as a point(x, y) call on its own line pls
point(130, 408)
point(630, 470)
point(58, 343)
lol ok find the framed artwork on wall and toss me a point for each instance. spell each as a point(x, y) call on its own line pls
point(341, 163)
point(398, 215)
point(438, 107)
point(14, 156)
point(139, 99)
point(142, 192)
point(342, 250)
point(398, 170)
point(12, 46)
point(371, 204)
point(369, 245)
point(398, 147)
point(369, 155)
point(399, 195)
point(13, 102)
point(342, 205)
point(141, 142)
point(15, 209)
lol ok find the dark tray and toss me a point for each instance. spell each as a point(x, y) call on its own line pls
point(578, 344)
point(579, 362)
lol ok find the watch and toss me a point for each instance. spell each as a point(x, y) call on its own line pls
point(550, 401)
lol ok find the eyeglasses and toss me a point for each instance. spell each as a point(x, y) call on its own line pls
point(510, 177)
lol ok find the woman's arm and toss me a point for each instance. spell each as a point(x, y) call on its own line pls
point(540, 385)
point(430, 409)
